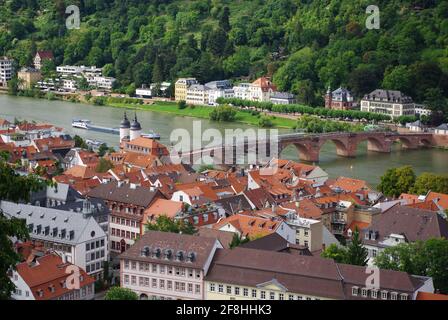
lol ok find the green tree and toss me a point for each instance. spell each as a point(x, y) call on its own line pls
point(182, 104)
point(104, 166)
point(15, 188)
point(118, 293)
point(356, 253)
point(237, 240)
point(425, 258)
point(335, 252)
point(397, 181)
point(80, 143)
point(166, 224)
point(430, 182)
point(223, 113)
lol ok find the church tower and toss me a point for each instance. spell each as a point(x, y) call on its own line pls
point(136, 129)
point(328, 98)
point(125, 128)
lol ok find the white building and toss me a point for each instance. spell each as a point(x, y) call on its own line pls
point(242, 91)
point(388, 102)
point(422, 111)
point(442, 129)
point(6, 70)
point(76, 239)
point(69, 85)
point(101, 82)
point(197, 94)
point(219, 89)
point(67, 71)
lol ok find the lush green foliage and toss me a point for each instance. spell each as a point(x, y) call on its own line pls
point(305, 45)
point(397, 181)
point(355, 253)
point(166, 224)
point(428, 258)
point(118, 293)
point(237, 241)
point(13, 187)
point(104, 165)
point(223, 113)
point(301, 109)
point(403, 180)
point(312, 124)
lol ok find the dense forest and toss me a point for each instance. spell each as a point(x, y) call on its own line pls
point(304, 45)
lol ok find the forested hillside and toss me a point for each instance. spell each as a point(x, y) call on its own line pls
point(305, 45)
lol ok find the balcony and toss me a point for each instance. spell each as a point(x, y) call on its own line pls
point(338, 221)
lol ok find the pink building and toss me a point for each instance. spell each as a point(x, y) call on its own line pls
point(167, 266)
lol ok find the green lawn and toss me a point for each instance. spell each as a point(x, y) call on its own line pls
point(203, 112)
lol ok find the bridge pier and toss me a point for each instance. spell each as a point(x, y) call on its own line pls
point(384, 147)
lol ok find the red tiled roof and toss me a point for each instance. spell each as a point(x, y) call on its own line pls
point(431, 296)
point(442, 199)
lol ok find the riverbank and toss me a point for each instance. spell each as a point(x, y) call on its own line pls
point(200, 112)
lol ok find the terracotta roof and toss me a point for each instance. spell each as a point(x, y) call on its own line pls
point(53, 143)
point(442, 199)
point(49, 272)
point(265, 84)
point(45, 54)
point(80, 171)
point(306, 209)
point(358, 224)
point(431, 296)
point(165, 207)
point(248, 225)
point(349, 184)
point(259, 197)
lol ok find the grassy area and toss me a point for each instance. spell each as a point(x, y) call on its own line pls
point(204, 113)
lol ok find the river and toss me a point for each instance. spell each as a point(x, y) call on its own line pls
point(368, 166)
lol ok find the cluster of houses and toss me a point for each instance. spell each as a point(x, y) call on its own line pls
point(67, 80)
point(261, 90)
point(93, 220)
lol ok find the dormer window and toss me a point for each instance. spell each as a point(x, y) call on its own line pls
point(393, 296)
point(404, 296)
point(384, 295)
point(355, 291)
point(364, 292)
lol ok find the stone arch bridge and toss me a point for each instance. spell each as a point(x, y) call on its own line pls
point(310, 145)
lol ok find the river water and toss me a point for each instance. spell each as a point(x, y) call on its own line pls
point(368, 166)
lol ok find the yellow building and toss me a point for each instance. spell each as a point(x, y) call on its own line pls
point(255, 274)
point(181, 86)
point(28, 77)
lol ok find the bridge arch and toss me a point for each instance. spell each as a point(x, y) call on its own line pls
point(374, 143)
point(305, 152)
point(343, 148)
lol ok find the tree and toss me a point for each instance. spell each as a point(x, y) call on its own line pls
point(397, 181)
point(103, 149)
point(356, 253)
point(104, 165)
point(430, 182)
point(425, 258)
point(182, 104)
point(223, 113)
point(166, 224)
point(80, 143)
point(237, 240)
point(13, 187)
point(118, 293)
point(335, 252)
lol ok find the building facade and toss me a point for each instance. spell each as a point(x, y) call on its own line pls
point(74, 238)
point(340, 99)
point(168, 266)
point(28, 77)
point(388, 102)
point(6, 70)
point(181, 86)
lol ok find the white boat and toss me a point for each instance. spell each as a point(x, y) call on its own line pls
point(81, 124)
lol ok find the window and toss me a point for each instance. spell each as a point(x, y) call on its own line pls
point(229, 289)
point(170, 270)
point(364, 292)
point(263, 295)
point(190, 288)
point(126, 279)
point(154, 283)
point(126, 264)
point(374, 294)
point(403, 296)
point(308, 298)
point(272, 295)
point(299, 298)
point(290, 297)
point(133, 280)
point(161, 269)
point(182, 286)
point(384, 295)
point(220, 288)
point(393, 296)
point(212, 287)
point(133, 265)
point(245, 292)
point(354, 291)
point(162, 284)
point(169, 285)
point(87, 246)
point(254, 293)
point(237, 291)
point(281, 296)
point(197, 289)
point(190, 273)
point(154, 268)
